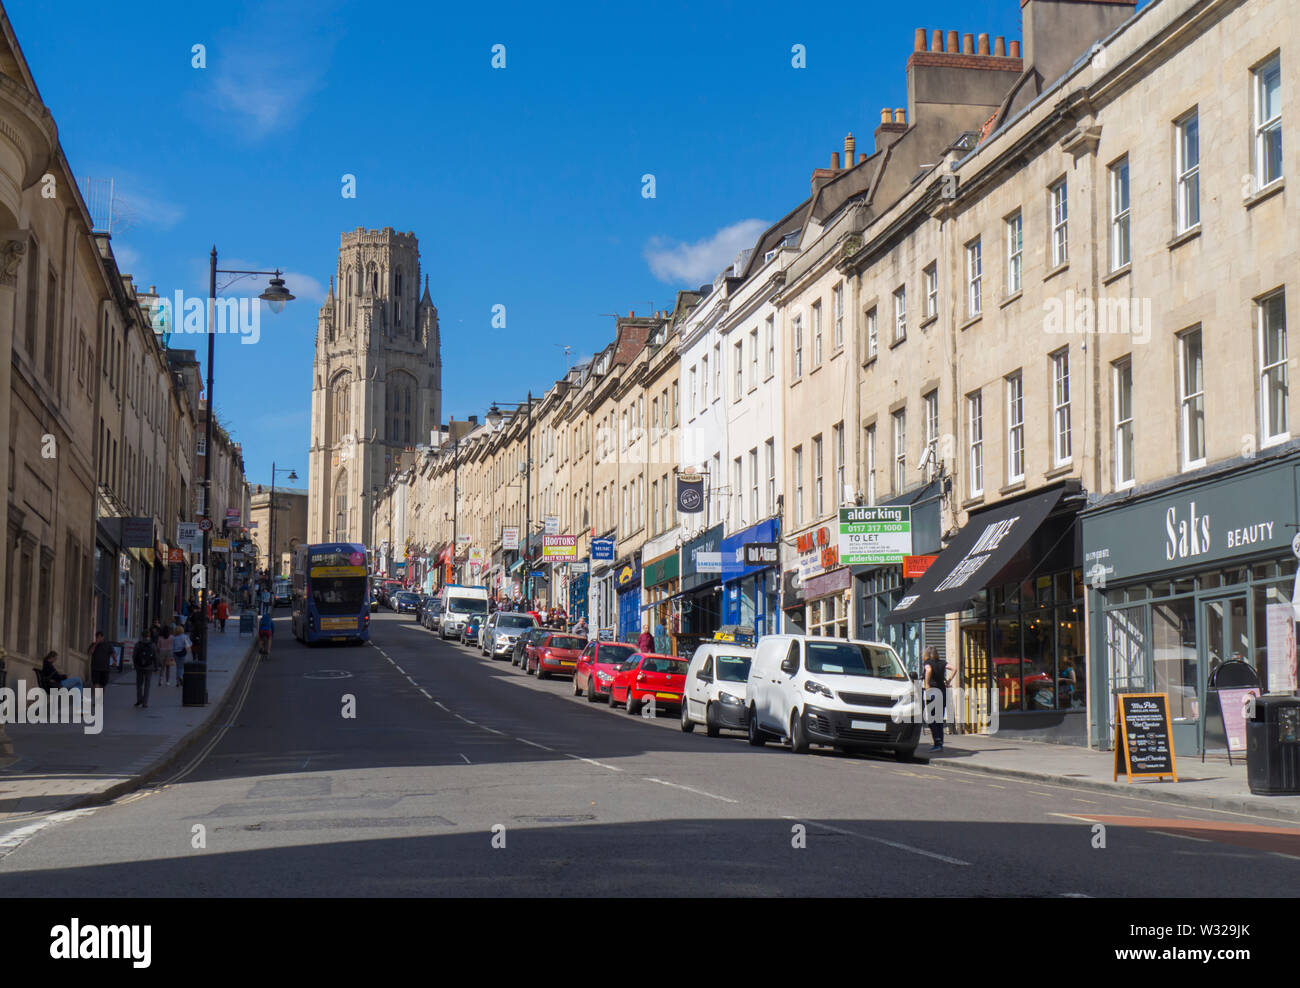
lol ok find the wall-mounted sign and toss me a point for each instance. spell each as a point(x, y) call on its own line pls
point(510, 537)
point(761, 553)
point(602, 549)
point(462, 541)
point(875, 536)
point(559, 546)
point(690, 493)
point(914, 566)
point(220, 545)
point(176, 555)
point(551, 525)
point(189, 536)
point(137, 533)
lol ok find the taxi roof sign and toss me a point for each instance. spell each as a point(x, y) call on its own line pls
point(734, 634)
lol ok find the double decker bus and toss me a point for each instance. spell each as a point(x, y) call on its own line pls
point(331, 594)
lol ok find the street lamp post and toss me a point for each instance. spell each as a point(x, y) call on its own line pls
point(270, 545)
point(275, 295)
point(494, 419)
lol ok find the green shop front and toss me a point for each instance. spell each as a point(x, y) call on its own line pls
point(1181, 580)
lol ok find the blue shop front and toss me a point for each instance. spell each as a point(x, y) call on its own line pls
point(627, 578)
point(751, 595)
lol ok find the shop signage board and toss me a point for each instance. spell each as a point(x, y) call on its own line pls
point(690, 493)
point(602, 549)
point(220, 545)
point(552, 525)
point(137, 533)
point(189, 536)
point(914, 566)
point(510, 537)
point(708, 562)
point(559, 546)
point(1280, 625)
point(1143, 749)
point(606, 634)
point(761, 553)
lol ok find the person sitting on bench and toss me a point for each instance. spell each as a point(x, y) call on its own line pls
point(53, 679)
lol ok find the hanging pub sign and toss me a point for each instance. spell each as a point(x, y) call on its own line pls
point(1143, 749)
point(690, 493)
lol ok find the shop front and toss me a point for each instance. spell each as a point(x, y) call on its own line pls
point(878, 589)
point(824, 584)
point(751, 590)
point(1013, 576)
point(792, 603)
point(1185, 579)
point(627, 582)
point(700, 596)
point(660, 578)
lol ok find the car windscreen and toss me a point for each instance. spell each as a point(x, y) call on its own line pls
point(851, 659)
point(467, 605)
point(407, 598)
point(515, 621)
point(565, 641)
point(732, 668)
point(615, 654)
point(341, 595)
point(673, 667)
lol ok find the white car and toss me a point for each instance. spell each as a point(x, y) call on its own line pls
point(502, 631)
point(851, 695)
point(716, 680)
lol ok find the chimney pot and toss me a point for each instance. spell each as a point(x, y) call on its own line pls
point(983, 44)
point(1015, 49)
point(862, 156)
point(886, 116)
point(900, 116)
point(848, 150)
point(952, 42)
point(835, 161)
point(631, 313)
point(920, 39)
point(1000, 47)
point(968, 44)
point(936, 40)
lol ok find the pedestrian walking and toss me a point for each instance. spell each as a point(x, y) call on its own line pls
point(180, 650)
point(101, 660)
point(936, 682)
point(145, 658)
point(222, 612)
point(266, 601)
point(163, 647)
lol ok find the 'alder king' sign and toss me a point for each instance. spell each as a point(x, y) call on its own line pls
point(875, 536)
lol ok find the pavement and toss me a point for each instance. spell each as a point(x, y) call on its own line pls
point(1213, 784)
point(59, 767)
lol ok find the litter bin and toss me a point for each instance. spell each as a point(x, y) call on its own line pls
point(1273, 746)
point(194, 686)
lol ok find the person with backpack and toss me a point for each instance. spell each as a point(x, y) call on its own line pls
point(145, 659)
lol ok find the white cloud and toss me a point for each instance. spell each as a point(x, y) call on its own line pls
point(700, 262)
point(130, 209)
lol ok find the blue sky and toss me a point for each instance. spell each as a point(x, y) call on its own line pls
point(523, 184)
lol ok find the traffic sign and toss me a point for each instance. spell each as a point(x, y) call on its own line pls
point(205, 524)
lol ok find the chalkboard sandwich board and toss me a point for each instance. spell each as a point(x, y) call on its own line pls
point(1143, 748)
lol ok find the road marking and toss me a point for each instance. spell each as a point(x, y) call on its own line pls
point(881, 840)
point(427, 694)
point(1165, 833)
point(1075, 895)
point(1090, 802)
point(492, 730)
point(399, 668)
point(438, 703)
point(698, 792)
point(1071, 816)
point(1293, 857)
point(992, 786)
point(1035, 792)
point(535, 744)
point(466, 719)
point(412, 681)
point(12, 841)
point(467, 761)
point(592, 761)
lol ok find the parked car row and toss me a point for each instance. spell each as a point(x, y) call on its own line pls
point(797, 689)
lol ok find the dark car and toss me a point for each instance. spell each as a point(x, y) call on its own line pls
point(405, 602)
point(519, 654)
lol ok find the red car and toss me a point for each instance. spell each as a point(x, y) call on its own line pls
point(553, 653)
point(660, 676)
point(594, 673)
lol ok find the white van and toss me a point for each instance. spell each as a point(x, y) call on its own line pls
point(459, 604)
point(852, 695)
point(716, 679)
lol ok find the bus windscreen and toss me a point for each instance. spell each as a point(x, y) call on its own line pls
point(338, 595)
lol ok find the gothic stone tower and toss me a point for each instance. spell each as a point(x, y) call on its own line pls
point(376, 381)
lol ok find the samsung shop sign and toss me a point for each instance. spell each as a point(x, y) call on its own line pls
point(1247, 514)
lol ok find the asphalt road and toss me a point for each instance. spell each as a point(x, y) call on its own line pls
point(461, 776)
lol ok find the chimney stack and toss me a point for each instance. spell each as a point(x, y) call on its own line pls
point(983, 44)
point(848, 150)
point(1000, 47)
point(886, 116)
point(1015, 49)
point(900, 116)
point(951, 46)
point(936, 40)
point(835, 161)
point(862, 156)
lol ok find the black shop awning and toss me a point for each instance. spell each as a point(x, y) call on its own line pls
point(975, 557)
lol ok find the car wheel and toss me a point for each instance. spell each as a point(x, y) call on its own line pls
point(632, 705)
point(905, 754)
point(756, 737)
point(688, 725)
point(798, 740)
point(542, 673)
point(710, 722)
point(592, 696)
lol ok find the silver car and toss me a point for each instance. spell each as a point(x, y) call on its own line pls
point(502, 631)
